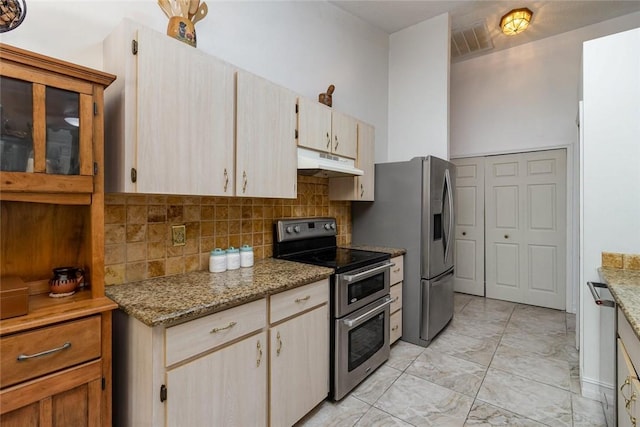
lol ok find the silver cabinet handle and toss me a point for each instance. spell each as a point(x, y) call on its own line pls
point(361, 191)
point(337, 142)
point(592, 287)
point(64, 346)
point(303, 299)
point(328, 141)
point(365, 274)
point(259, 347)
point(244, 181)
point(354, 322)
point(279, 348)
point(224, 328)
point(226, 180)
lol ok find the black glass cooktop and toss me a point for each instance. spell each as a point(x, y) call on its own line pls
point(340, 259)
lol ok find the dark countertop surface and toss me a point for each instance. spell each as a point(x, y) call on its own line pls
point(173, 299)
point(394, 252)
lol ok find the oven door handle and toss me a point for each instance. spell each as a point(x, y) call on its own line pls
point(360, 319)
point(359, 276)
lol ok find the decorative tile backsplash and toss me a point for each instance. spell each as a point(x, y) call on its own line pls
point(621, 261)
point(138, 239)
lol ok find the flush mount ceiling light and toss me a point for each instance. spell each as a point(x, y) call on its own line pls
point(516, 21)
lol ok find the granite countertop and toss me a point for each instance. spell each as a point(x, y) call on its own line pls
point(394, 252)
point(624, 285)
point(169, 300)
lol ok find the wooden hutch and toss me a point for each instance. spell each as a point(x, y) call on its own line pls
point(55, 360)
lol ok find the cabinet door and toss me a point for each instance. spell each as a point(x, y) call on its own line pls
point(628, 389)
point(185, 119)
point(344, 135)
point(365, 161)
point(71, 397)
point(266, 159)
point(225, 388)
point(359, 187)
point(314, 125)
point(299, 351)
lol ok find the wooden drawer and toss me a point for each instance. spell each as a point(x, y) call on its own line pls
point(59, 346)
point(294, 301)
point(395, 325)
point(199, 335)
point(397, 271)
point(396, 297)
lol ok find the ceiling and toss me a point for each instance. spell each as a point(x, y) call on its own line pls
point(549, 17)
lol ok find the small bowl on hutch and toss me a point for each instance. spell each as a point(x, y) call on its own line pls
point(65, 280)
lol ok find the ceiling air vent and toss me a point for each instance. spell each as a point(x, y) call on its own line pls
point(470, 40)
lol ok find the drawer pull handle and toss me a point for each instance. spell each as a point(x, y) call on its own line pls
point(303, 299)
point(396, 270)
point(64, 346)
point(395, 328)
point(395, 300)
point(229, 326)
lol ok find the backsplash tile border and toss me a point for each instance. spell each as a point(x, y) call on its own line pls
point(620, 261)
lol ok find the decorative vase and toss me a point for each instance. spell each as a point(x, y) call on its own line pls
point(182, 29)
point(65, 280)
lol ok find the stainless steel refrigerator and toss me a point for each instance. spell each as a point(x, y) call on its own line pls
point(413, 209)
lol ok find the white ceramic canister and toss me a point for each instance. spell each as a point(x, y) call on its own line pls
point(233, 258)
point(217, 261)
point(246, 256)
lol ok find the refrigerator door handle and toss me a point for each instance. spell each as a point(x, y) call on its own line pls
point(447, 180)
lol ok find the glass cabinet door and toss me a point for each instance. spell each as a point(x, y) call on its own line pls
point(45, 129)
point(16, 125)
point(62, 136)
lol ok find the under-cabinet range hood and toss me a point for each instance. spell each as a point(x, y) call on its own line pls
point(325, 165)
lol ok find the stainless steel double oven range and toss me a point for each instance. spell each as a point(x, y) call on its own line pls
point(359, 297)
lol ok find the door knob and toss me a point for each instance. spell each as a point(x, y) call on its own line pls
point(464, 233)
point(506, 236)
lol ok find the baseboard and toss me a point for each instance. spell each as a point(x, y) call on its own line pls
point(596, 390)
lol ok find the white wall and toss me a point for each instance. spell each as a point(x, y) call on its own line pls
point(304, 46)
point(419, 90)
point(610, 186)
point(522, 98)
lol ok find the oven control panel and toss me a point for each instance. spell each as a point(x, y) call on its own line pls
point(305, 228)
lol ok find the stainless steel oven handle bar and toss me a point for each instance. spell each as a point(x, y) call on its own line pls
point(360, 319)
point(359, 276)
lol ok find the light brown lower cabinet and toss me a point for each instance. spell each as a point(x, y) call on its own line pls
point(225, 388)
point(628, 384)
point(262, 363)
point(397, 276)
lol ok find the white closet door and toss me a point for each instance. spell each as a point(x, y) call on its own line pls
point(526, 228)
point(469, 232)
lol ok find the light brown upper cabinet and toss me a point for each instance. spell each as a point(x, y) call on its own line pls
point(323, 129)
point(266, 156)
point(359, 188)
point(170, 115)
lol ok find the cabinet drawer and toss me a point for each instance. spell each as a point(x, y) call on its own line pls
point(395, 325)
point(199, 335)
point(294, 301)
point(397, 271)
point(396, 297)
point(629, 338)
point(48, 349)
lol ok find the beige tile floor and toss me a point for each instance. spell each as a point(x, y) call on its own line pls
point(496, 364)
